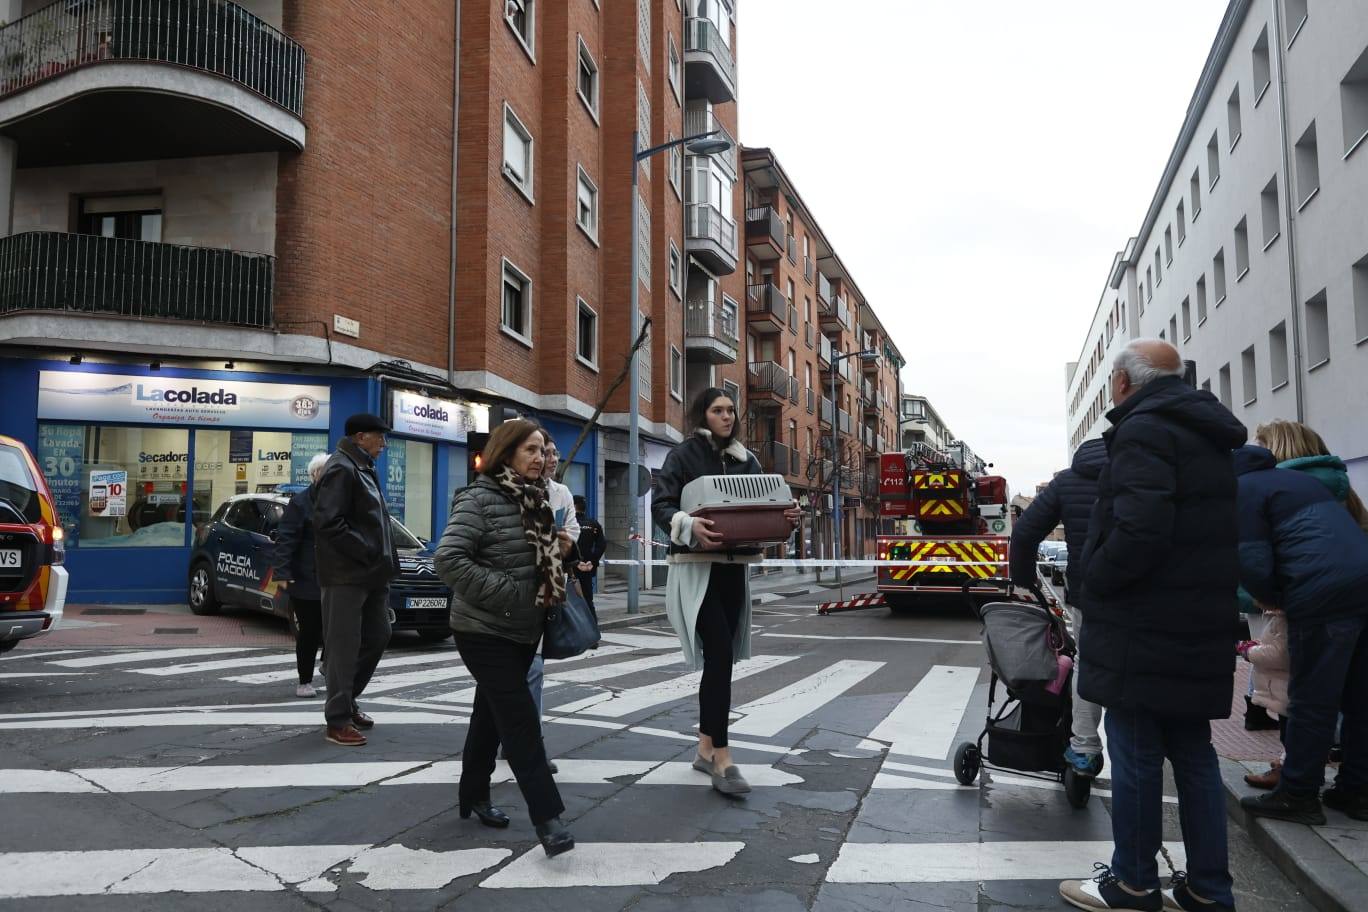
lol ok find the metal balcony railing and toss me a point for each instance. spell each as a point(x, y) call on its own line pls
point(82, 273)
point(700, 118)
point(792, 246)
point(764, 223)
point(826, 410)
point(880, 443)
point(841, 311)
point(824, 290)
point(702, 35)
point(767, 299)
point(807, 334)
point(776, 458)
point(807, 268)
point(706, 222)
point(847, 426)
point(706, 320)
point(769, 377)
point(211, 35)
point(811, 400)
point(824, 349)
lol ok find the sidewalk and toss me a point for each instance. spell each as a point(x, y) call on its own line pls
point(611, 599)
point(1328, 863)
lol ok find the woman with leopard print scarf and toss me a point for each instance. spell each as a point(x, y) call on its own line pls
point(502, 557)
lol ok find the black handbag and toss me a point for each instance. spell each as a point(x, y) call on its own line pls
point(571, 628)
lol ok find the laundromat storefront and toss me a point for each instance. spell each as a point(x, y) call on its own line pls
point(137, 461)
point(426, 460)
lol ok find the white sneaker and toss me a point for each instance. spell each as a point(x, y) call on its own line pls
point(305, 690)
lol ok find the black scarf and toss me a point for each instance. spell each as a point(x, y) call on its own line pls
point(539, 525)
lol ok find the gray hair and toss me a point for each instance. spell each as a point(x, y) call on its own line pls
point(316, 465)
point(1138, 366)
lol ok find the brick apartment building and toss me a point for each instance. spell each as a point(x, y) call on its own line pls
point(416, 208)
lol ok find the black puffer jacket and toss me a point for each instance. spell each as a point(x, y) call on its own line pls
point(491, 567)
point(354, 544)
point(1161, 565)
point(1069, 499)
point(693, 458)
point(294, 557)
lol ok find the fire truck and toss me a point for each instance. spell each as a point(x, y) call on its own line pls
point(940, 508)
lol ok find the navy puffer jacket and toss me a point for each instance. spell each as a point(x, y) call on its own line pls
point(1299, 548)
point(1160, 565)
point(1068, 499)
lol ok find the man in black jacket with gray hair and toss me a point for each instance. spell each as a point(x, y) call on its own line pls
point(356, 560)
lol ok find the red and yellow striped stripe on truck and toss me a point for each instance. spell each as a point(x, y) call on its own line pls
point(955, 560)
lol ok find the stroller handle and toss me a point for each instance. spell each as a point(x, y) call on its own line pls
point(1006, 584)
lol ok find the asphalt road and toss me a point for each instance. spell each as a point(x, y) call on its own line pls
point(192, 778)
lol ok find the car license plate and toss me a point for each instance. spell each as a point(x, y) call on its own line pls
point(11, 560)
point(940, 560)
point(423, 604)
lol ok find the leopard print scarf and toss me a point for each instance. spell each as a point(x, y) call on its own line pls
point(539, 525)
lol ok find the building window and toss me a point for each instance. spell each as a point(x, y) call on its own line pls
point(1218, 276)
point(644, 243)
point(1233, 118)
point(587, 206)
point(521, 16)
point(1308, 166)
point(586, 334)
point(1241, 249)
point(133, 218)
point(588, 85)
point(1354, 103)
point(517, 153)
point(1263, 70)
point(645, 377)
point(1168, 245)
point(1224, 393)
point(1195, 189)
point(674, 69)
point(1201, 300)
point(676, 157)
point(644, 31)
point(1295, 13)
point(1173, 329)
point(1182, 223)
point(676, 374)
point(1213, 159)
point(644, 125)
point(733, 393)
point(1361, 300)
point(516, 314)
point(1272, 217)
point(1277, 355)
point(1149, 287)
point(1187, 319)
point(1249, 376)
point(1158, 269)
point(676, 271)
point(1317, 331)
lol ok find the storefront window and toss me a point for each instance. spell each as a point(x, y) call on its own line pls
point(408, 484)
point(249, 462)
point(577, 479)
point(133, 486)
point(458, 474)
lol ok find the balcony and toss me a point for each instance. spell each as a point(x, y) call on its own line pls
point(826, 412)
point(873, 366)
point(824, 350)
point(709, 67)
point(834, 312)
point(824, 290)
point(766, 308)
point(847, 425)
point(87, 274)
point(777, 458)
point(710, 333)
point(770, 385)
point(699, 118)
point(130, 80)
point(764, 233)
point(870, 399)
point(710, 238)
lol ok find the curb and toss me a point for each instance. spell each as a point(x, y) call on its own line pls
point(1328, 880)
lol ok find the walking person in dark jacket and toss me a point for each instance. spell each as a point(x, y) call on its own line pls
point(1159, 627)
point(1302, 551)
point(1069, 499)
point(356, 558)
point(296, 570)
point(588, 552)
point(502, 557)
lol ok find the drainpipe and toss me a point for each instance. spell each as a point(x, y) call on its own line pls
point(455, 136)
point(1289, 198)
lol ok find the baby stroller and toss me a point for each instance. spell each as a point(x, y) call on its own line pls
point(1031, 656)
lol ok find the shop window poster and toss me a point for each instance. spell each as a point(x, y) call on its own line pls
point(61, 454)
point(395, 465)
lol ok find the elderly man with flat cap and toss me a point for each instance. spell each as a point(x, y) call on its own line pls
point(356, 560)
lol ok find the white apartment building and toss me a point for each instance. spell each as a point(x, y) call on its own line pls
point(921, 423)
point(1253, 255)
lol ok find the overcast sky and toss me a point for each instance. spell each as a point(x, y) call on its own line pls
point(977, 165)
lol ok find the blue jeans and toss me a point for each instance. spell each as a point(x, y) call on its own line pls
point(1329, 676)
point(1137, 744)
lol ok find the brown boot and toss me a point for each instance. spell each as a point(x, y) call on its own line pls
point(1267, 780)
point(346, 736)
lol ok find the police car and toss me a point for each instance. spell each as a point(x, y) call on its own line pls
point(231, 566)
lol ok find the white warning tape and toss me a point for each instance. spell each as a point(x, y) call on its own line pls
point(818, 564)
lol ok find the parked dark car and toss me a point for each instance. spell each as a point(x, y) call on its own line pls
point(231, 566)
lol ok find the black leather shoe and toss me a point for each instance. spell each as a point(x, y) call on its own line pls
point(489, 815)
point(555, 838)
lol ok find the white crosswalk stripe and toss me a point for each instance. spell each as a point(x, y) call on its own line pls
point(638, 699)
point(972, 862)
point(770, 715)
point(149, 655)
point(925, 722)
point(386, 664)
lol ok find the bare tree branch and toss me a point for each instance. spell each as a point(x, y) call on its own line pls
point(603, 403)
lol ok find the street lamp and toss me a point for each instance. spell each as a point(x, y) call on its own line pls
point(867, 356)
point(698, 144)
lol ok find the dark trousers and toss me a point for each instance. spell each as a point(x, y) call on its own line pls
point(586, 585)
point(1329, 676)
point(718, 618)
point(1137, 744)
point(505, 713)
point(357, 632)
point(308, 615)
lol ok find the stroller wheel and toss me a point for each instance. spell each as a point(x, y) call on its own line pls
point(967, 763)
point(1078, 789)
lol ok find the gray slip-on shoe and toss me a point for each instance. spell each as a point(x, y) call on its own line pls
point(703, 766)
point(731, 782)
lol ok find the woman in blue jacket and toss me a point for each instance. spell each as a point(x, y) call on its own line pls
point(1302, 551)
